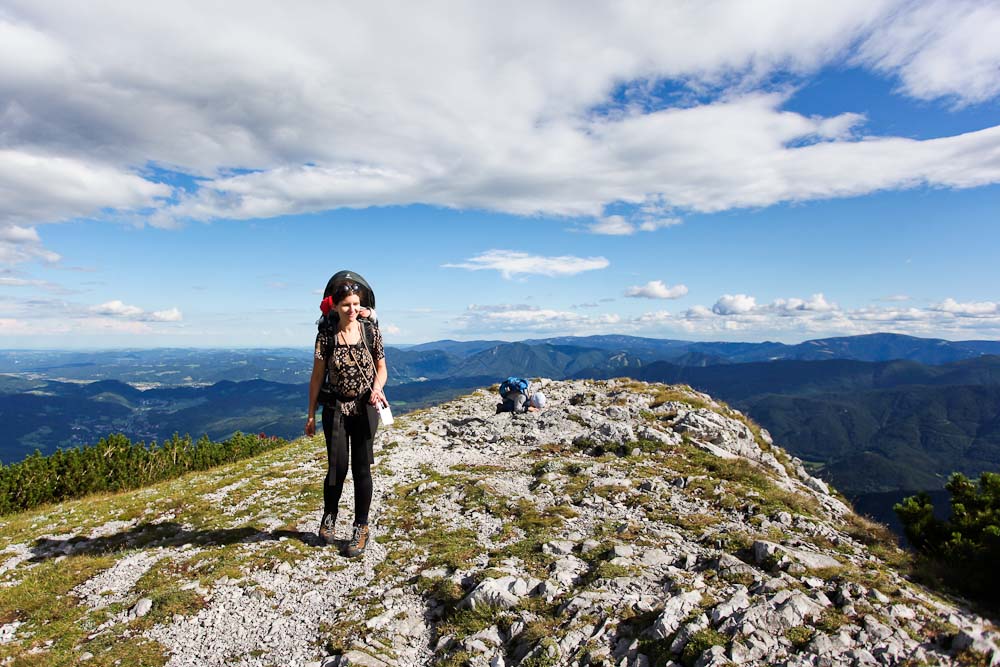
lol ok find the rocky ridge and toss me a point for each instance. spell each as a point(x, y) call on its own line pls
point(628, 524)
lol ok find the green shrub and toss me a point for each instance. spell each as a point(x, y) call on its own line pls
point(114, 464)
point(963, 549)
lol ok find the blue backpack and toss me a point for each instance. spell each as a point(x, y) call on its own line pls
point(514, 384)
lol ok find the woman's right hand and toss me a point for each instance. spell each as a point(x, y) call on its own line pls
point(311, 426)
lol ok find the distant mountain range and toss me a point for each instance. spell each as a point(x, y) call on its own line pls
point(875, 414)
point(160, 367)
point(551, 357)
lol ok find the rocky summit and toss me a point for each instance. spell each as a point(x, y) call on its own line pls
point(626, 524)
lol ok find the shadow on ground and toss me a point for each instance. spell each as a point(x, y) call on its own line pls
point(167, 534)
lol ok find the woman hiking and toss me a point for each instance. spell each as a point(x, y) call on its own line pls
point(350, 356)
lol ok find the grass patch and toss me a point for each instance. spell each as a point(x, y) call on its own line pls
point(831, 620)
point(694, 522)
point(799, 636)
point(678, 394)
point(700, 642)
point(461, 623)
point(453, 548)
point(607, 570)
point(53, 617)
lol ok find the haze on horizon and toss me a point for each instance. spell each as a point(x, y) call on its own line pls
point(183, 175)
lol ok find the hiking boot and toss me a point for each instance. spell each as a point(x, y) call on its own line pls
point(359, 540)
point(328, 528)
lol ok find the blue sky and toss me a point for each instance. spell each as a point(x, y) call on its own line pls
point(191, 178)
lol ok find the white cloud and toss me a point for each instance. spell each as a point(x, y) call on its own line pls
point(39, 187)
point(941, 48)
point(734, 304)
point(613, 225)
point(656, 289)
point(523, 319)
point(334, 106)
point(655, 317)
point(973, 309)
point(617, 225)
point(34, 330)
point(119, 309)
point(815, 316)
point(21, 244)
point(896, 297)
point(169, 315)
point(816, 303)
point(511, 263)
point(8, 281)
point(651, 225)
point(790, 318)
point(698, 313)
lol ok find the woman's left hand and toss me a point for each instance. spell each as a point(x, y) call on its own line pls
point(378, 397)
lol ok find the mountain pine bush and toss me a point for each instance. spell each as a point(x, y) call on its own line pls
point(116, 463)
point(964, 549)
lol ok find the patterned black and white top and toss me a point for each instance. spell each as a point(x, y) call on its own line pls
point(351, 368)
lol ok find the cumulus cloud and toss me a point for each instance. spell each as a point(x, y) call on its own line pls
point(656, 289)
point(741, 314)
point(816, 303)
point(117, 308)
point(511, 263)
point(698, 313)
point(654, 318)
point(743, 318)
point(28, 321)
point(734, 304)
point(972, 309)
point(39, 187)
point(169, 315)
point(280, 115)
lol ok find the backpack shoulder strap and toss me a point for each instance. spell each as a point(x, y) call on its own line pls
point(368, 338)
point(368, 333)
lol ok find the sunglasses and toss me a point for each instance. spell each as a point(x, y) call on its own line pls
point(348, 288)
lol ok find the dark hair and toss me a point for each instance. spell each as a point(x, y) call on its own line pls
point(344, 290)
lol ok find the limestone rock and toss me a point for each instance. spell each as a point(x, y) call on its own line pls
point(504, 514)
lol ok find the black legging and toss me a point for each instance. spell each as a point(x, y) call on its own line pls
point(355, 430)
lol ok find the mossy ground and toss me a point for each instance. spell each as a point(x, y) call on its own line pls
point(57, 627)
